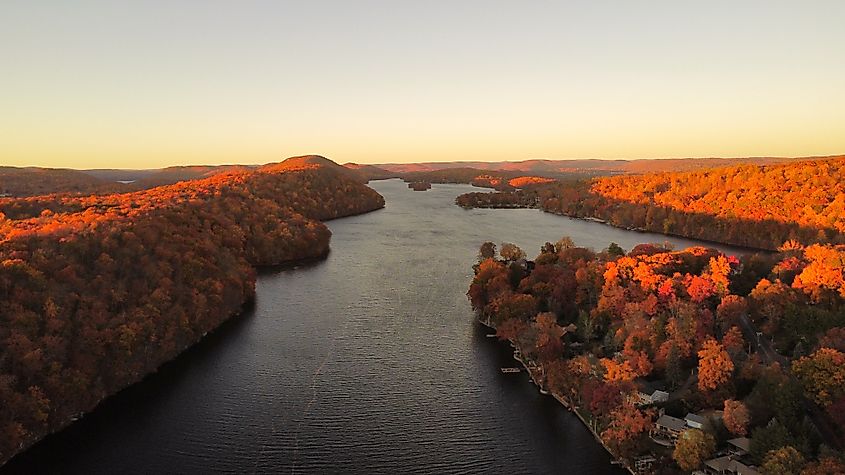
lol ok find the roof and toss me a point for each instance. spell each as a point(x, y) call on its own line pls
point(720, 464)
point(743, 443)
point(695, 418)
point(728, 464)
point(672, 423)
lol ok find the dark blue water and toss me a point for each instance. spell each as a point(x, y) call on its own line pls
point(367, 362)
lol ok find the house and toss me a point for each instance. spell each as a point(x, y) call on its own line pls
point(728, 465)
point(667, 429)
point(649, 393)
point(739, 447)
point(645, 399)
point(694, 421)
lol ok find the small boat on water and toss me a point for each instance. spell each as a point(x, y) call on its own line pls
point(511, 370)
point(492, 335)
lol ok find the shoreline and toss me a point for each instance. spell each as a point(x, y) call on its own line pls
point(614, 460)
point(592, 219)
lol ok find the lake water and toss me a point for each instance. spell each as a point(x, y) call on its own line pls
point(367, 362)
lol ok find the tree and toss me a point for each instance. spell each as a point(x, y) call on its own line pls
point(549, 344)
point(608, 396)
point(771, 437)
point(730, 309)
point(714, 366)
point(733, 341)
point(618, 371)
point(825, 466)
point(674, 368)
point(736, 417)
point(627, 424)
point(822, 375)
point(487, 251)
point(510, 329)
point(833, 338)
point(615, 250)
point(511, 252)
point(564, 243)
point(694, 446)
point(783, 461)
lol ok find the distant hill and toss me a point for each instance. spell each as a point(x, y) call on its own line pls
point(33, 181)
point(372, 172)
point(592, 166)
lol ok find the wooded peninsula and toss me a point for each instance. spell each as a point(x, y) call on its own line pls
point(100, 290)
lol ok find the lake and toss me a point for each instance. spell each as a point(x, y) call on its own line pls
point(368, 362)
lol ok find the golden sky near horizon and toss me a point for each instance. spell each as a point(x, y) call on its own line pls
point(145, 85)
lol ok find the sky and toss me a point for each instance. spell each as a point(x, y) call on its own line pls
point(146, 84)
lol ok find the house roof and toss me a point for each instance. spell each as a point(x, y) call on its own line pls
point(690, 417)
point(728, 464)
point(720, 464)
point(672, 423)
point(743, 443)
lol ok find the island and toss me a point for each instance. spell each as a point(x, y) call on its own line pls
point(419, 185)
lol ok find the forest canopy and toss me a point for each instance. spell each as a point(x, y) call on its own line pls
point(747, 205)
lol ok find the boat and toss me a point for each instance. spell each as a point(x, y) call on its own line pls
point(511, 370)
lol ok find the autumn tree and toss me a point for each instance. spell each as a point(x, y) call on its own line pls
point(564, 243)
point(826, 465)
point(783, 461)
point(511, 252)
point(627, 425)
point(736, 417)
point(730, 309)
point(822, 375)
point(486, 251)
point(692, 448)
point(714, 366)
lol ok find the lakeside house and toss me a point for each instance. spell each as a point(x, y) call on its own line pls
point(740, 446)
point(728, 465)
point(656, 397)
point(649, 393)
point(667, 429)
point(694, 421)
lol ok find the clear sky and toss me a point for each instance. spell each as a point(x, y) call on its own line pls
point(143, 84)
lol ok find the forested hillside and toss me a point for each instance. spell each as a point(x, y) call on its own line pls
point(603, 330)
point(98, 291)
point(754, 206)
point(37, 181)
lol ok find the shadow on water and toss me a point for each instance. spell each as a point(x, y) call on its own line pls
point(131, 405)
